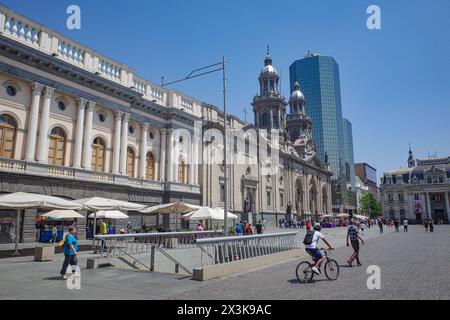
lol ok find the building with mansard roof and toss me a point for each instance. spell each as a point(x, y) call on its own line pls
point(419, 191)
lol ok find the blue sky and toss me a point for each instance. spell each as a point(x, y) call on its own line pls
point(395, 82)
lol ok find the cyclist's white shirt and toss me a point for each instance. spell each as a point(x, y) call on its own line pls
point(317, 236)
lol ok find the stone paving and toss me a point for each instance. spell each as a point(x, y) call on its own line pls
point(414, 265)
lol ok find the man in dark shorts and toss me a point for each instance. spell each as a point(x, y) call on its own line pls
point(353, 235)
point(259, 228)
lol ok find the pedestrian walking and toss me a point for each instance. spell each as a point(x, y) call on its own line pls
point(238, 229)
point(362, 226)
point(259, 228)
point(396, 224)
point(199, 227)
point(70, 244)
point(405, 225)
point(54, 233)
point(354, 237)
point(308, 225)
point(380, 225)
point(425, 224)
point(431, 226)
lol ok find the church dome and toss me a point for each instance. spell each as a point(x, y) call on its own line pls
point(297, 95)
point(268, 68)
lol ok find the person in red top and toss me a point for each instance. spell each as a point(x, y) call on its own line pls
point(308, 225)
point(249, 230)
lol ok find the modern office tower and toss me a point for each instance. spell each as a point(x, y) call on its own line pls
point(318, 76)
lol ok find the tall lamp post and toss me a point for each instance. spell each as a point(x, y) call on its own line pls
point(220, 66)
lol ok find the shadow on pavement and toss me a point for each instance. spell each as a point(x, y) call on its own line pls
point(53, 278)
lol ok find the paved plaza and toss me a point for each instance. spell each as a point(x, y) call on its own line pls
point(413, 265)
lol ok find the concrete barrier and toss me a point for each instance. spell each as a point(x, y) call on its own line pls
point(220, 270)
point(44, 253)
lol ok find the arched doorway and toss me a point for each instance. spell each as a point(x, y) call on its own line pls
point(299, 199)
point(57, 147)
point(324, 200)
point(98, 155)
point(8, 130)
point(313, 200)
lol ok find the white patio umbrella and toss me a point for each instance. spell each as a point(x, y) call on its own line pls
point(209, 213)
point(62, 214)
point(358, 216)
point(97, 203)
point(343, 215)
point(24, 200)
point(109, 214)
point(174, 207)
point(171, 208)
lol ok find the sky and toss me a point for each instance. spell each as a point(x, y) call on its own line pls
point(395, 82)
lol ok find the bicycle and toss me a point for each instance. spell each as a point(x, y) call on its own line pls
point(305, 274)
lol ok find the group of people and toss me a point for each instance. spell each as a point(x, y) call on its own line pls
point(291, 224)
point(245, 228)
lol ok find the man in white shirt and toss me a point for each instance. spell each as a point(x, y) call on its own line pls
point(405, 225)
point(311, 248)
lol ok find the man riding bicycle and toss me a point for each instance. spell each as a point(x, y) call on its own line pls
point(311, 240)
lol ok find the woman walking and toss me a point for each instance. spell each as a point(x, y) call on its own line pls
point(70, 252)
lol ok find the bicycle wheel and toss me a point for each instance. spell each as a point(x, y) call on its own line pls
point(331, 269)
point(304, 272)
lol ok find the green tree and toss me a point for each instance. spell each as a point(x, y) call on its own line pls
point(369, 205)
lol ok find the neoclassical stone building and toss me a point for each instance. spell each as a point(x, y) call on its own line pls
point(297, 177)
point(76, 124)
point(420, 191)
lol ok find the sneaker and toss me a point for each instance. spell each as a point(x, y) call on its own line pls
point(315, 270)
point(64, 277)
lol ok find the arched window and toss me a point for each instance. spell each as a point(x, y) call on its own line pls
point(182, 172)
point(130, 162)
point(264, 120)
point(150, 166)
point(8, 129)
point(57, 147)
point(98, 155)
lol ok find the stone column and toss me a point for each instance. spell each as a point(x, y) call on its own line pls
point(429, 215)
point(196, 160)
point(447, 205)
point(79, 133)
point(124, 144)
point(33, 123)
point(192, 162)
point(87, 146)
point(162, 157)
point(117, 130)
point(43, 130)
point(169, 147)
point(142, 163)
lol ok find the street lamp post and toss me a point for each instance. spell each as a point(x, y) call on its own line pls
point(195, 74)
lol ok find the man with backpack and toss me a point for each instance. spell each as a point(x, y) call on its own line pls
point(354, 237)
point(311, 239)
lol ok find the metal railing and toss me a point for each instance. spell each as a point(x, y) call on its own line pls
point(141, 243)
point(134, 246)
point(228, 249)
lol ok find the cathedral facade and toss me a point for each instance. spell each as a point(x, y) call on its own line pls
point(274, 169)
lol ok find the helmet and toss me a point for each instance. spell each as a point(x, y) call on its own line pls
point(317, 227)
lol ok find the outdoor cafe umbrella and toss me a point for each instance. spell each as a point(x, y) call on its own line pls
point(357, 216)
point(62, 214)
point(171, 208)
point(98, 203)
point(109, 214)
point(24, 200)
point(343, 215)
point(209, 213)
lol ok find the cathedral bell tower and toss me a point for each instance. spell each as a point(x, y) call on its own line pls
point(269, 106)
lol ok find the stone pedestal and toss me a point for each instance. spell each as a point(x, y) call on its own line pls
point(44, 253)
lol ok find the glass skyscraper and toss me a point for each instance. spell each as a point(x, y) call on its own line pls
point(349, 162)
point(318, 76)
